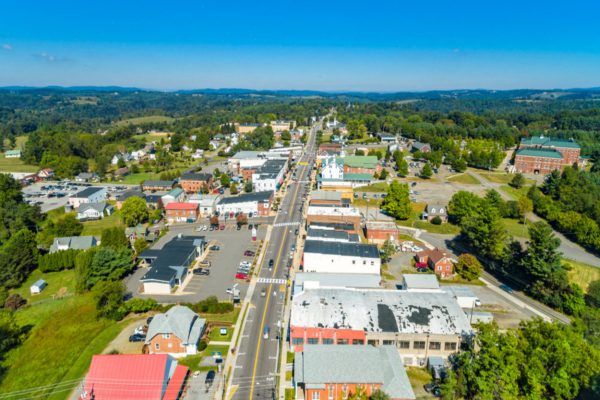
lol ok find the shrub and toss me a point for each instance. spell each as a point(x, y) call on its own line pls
point(202, 345)
point(139, 306)
point(14, 302)
point(58, 261)
point(211, 305)
point(436, 220)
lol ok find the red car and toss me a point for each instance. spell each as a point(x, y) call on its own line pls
point(421, 265)
point(222, 227)
point(241, 276)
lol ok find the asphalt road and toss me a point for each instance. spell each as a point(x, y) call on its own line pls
point(257, 360)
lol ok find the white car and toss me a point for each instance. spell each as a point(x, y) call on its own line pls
point(229, 290)
point(245, 263)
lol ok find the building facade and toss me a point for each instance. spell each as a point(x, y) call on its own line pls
point(542, 155)
point(340, 257)
point(196, 183)
point(181, 212)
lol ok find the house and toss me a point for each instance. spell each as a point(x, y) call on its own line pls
point(153, 185)
point(175, 195)
point(439, 261)
point(269, 176)
point(169, 265)
point(181, 212)
point(198, 154)
point(38, 286)
point(154, 200)
point(245, 160)
point(46, 173)
point(12, 154)
point(86, 177)
point(385, 137)
point(340, 257)
point(380, 231)
point(121, 156)
point(336, 372)
point(421, 147)
point(542, 155)
point(128, 194)
point(207, 203)
point(134, 377)
point(196, 182)
point(252, 204)
point(93, 211)
point(93, 194)
point(73, 243)
point(334, 214)
point(417, 324)
point(308, 280)
point(121, 172)
point(176, 332)
point(420, 283)
point(435, 210)
point(139, 231)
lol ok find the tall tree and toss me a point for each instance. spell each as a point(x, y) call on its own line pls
point(397, 202)
point(463, 204)
point(18, 257)
point(486, 232)
point(134, 211)
point(468, 267)
point(518, 181)
point(426, 171)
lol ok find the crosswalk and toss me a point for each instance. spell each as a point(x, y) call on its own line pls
point(281, 224)
point(271, 280)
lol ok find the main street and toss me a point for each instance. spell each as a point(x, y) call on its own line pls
point(255, 371)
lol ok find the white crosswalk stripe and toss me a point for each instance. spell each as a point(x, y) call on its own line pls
point(271, 280)
point(280, 224)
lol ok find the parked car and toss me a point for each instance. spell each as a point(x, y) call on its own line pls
point(506, 288)
point(201, 271)
point(210, 378)
point(364, 196)
point(249, 253)
point(271, 262)
point(137, 338)
point(241, 276)
point(421, 265)
point(229, 290)
point(141, 330)
point(214, 248)
point(433, 388)
point(239, 227)
point(422, 270)
point(148, 320)
point(250, 227)
point(263, 292)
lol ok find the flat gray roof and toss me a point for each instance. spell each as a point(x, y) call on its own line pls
point(338, 280)
point(421, 281)
point(341, 248)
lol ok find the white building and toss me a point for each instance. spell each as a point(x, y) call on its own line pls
point(269, 176)
point(245, 160)
point(93, 194)
point(420, 283)
point(251, 204)
point(92, 211)
point(207, 203)
point(174, 195)
point(463, 296)
point(314, 280)
point(336, 257)
point(331, 169)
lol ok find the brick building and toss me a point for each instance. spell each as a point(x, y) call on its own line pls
point(181, 212)
point(542, 155)
point(176, 332)
point(439, 261)
point(195, 183)
point(345, 215)
point(379, 231)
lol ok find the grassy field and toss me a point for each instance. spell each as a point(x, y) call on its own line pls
point(582, 274)
point(230, 317)
point(515, 193)
point(95, 228)
point(464, 178)
point(147, 119)
point(374, 187)
point(419, 377)
point(445, 229)
point(501, 177)
point(64, 336)
point(515, 228)
point(215, 335)
point(15, 165)
point(61, 281)
point(366, 202)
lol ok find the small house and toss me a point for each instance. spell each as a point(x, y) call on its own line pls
point(93, 211)
point(38, 286)
point(435, 210)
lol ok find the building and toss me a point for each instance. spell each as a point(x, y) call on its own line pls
point(245, 128)
point(175, 195)
point(73, 243)
point(169, 265)
point(327, 235)
point(385, 137)
point(245, 160)
point(134, 377)
point(181, 212)
point(46, 173)
point(252, 204)
point(283, 125)
point(196, 182)
point(38, 286)
point(93, 211)
point(269, 176)
point(86, 177)
point(439, 261)
point(360, 164)
point(538, 161)
point(154, 200)
point(207, 203)
point(421, 147)
point(128, 194)
point(328, 198)
point(419, 325)
point(345, 215)
point(176, 332)
point(332, 226)
point(420, 283)
point(569, 149)
point(380, 231)
point(435, 210)
point(463, 295)
point(331, 169)
point(336, 372)
point(339, 257)
point(12, 154)
point(121, 172)
point(163, 185)
point(93, 194)
point(314, 280)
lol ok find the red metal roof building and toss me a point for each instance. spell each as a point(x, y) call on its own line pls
point(134, 377)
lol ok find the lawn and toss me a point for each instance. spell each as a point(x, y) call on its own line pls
point(374, 187)
point(582, 274)
point(515, 228)
point(64, 336)
point(95, 228)
point(502, 178)
point(419, 377)
point(230, 317)
point(366, 202)
point(192, 362)
point(465, 179)
point(63, 281)
point(145, 120)
point(515, 193)
point(215, 335)
point(444, 229)
point(15, 165)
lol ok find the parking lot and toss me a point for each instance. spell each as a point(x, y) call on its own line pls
point(223, 263)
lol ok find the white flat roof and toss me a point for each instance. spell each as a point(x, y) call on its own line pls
point(344, 211)
point(421, 281)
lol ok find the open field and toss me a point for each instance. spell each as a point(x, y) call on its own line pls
point(582, 274)
point(374, 187)
point(516, 228)
point(502, 178)
point(15, 165)
point(95, 227)
point(464, 178)
point(146, 119)
point(62, 282)
point(215, 335)
point(230, 317)
point(515, 193)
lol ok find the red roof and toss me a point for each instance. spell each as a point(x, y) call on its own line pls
point(176, 383)
point(181, 206)
point(128, 376)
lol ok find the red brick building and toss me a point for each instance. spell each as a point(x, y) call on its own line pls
point(439, 261)
point(196, 183)
point(379, 232)
point(176, 332)
point(181, 212)
point(541, 155)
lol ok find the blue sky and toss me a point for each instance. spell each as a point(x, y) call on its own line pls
point(324, 45)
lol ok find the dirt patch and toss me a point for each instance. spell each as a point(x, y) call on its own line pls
point(122, 344)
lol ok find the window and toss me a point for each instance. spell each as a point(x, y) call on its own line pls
point(364, 262)
point(327, 341)
point(313, 341)
point(316, 395)
point(358, 341)
point(439, 268)
point(345, 392)
point(372, 262)
point(157, 346)
point(373, 342)
point(353, 262)
point(342, 341)
point(388, 342)
point(450, 346)
point(435, 345)
point(404, 344)
point(170, 345)
point(166, 335)
point(330, 392)
point(297, 341)
point(417, 344)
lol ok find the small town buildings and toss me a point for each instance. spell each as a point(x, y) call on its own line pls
point(169, 265)
point(46, 173)
point(421, 147)
point(153, 185)
point(330, 235)
point(93, 211)
point(38, 286)
point(245, 128)
point(12, 154)
point(134, 377)
point(86, 177)
point(175, 195)
point(328, 198)
point(314, 280)
point(542, 155)
point(336, 372)
point(154, 200)
point(385, 137)
point(380, 231)
point(439, 261)
point(269, 176)
point(73, 243)
point(283, 125)
point(92, 194)
point(360, 164)
point(127, 195)
point(419, 325)
point(119, 172)
point(252, 204)
point(245, 160)
point(340, 257)
point(420, 283)
point(207, 203)
point(345, 215)
point(331, 169)
point(196, 182)
point(176, 332)
point(435, 210)
point(181, 212)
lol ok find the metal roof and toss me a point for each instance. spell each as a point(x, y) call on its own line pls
point(539, 152)
point(421, 281)
point(172, 259)
point(341, 249)
point(73, 242)
point(158, 183)
point(179, 321)
point(195, 177)
point(87, 192)
point(325, 234)
point(325, 195)
point(549, 142)
point(358, 161)
point(338, 280)
point(247, 197)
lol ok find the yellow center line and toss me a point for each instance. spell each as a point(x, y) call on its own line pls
point(264, 316)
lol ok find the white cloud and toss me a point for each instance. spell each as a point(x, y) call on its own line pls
point(7, 46)
point(49, 57)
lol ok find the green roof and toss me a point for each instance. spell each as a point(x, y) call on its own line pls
point(358, 177)
point(539, 153)
point(358, 161)
point(549, 142)
point(175, 192)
